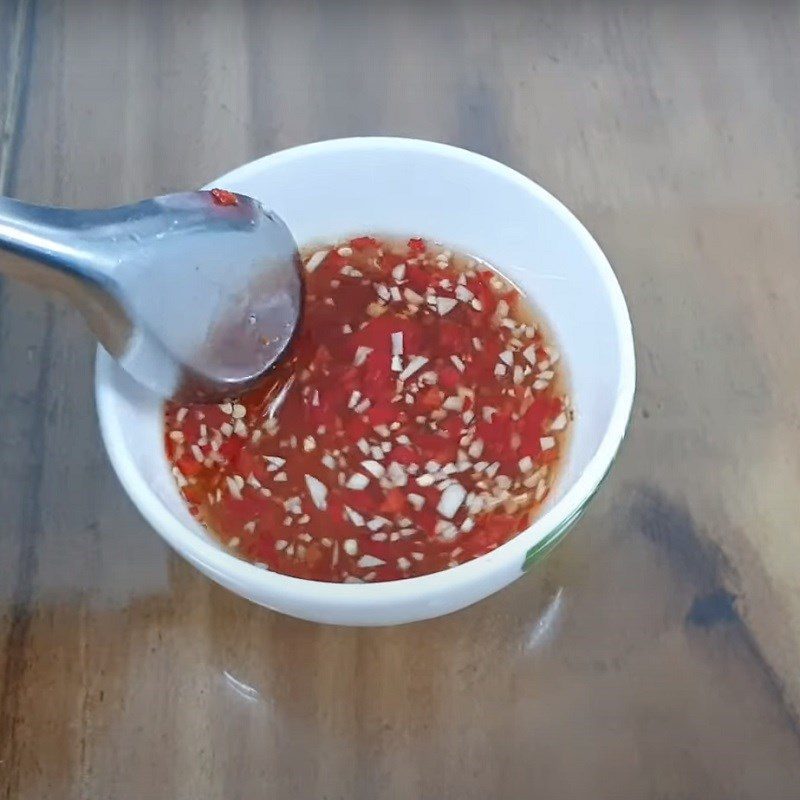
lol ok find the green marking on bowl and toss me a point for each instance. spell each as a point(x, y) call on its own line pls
point(542, 548)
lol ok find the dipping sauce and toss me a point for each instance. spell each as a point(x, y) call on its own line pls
point(418, 423)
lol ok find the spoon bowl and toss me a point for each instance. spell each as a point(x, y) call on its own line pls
point(195, 294)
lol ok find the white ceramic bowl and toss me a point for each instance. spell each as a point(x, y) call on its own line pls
point(333, 189)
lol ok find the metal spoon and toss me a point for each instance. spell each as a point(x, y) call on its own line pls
point(196, 295)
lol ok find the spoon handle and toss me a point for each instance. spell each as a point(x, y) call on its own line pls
point(48, 248)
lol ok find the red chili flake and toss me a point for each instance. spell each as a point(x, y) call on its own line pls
point(363, 242)
point(314, 555)
point(336, 508)
point(484, 293)
point(425, 523)
point(362, 500)
point(230, 448)
point(334, 260)
point(431, 399)
point(496, 436)
point(449, 378)
point(238, 513)
point(542, 410)
point(548, 456)
point(194, 494)
point(382, 413)
point(376, 379)
point(418, 279)
point(356, 428)
point(222, 197)
point(189, 466)
point(247, 463)
point(403, 455)
point(452, 425)
point(416, 245)
point(394, 503)
point(454, 337)
point(435, 447)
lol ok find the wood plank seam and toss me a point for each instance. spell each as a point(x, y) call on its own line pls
point(16, 81)
point(21, 608)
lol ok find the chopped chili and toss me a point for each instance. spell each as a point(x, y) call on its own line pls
point(222, 197)
point(418, 423)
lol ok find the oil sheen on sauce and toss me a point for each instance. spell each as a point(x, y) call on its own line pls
point(418, 423)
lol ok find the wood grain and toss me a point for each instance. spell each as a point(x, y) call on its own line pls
point(15, 51)
point(654, 654)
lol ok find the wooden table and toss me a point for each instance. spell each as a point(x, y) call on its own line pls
point(654, 655)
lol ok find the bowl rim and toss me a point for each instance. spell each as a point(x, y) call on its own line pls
point(300, 590)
